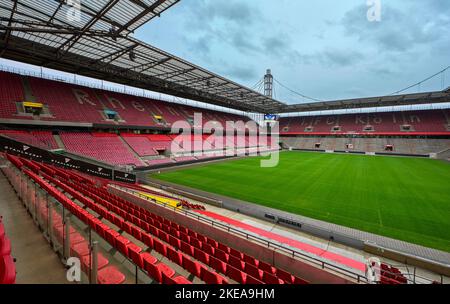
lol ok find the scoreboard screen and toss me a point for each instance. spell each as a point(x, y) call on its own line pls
point(270, 117)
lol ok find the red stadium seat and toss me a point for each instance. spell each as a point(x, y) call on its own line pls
point(7, 270)
point(253, 271)
point(136, 232)
point(192, 233)
point(236, 253)
point(160, 247)
point(271, 279)
point(156, 271)
point(174, 233)
point(188, 249)
point(111, 236)
point(192, 266)
point(236, 262)
point(127, 228)
point(218, 265)
point(163, 236)
point(213, 243)
point(148, 260)
point(224, 248)
point(110, 275)
point(221, 255)
point(121, 244)
point(175, 256)
point(196, 243)
point(134, 254)
point(76, 238)
point(86, 262)
point(212, 278)
point(5, 246)
point(2, 229)
point(236, 274)
point(153, 231)
point(81, 249)
point(147, 240)
point(285, 276)
point(185, 238)
point(174, 242)
point(267, 267)
point(201, 256)
point(251, 260)
point(208, 249)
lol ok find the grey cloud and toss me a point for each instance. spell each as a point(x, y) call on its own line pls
point(342, 58)
point(399, 30)
point(242, 73)
point(276, 45)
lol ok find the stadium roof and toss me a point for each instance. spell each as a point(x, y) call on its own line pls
point(371, 102)
point(96, 41)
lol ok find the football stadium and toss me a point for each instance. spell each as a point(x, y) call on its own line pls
point(124, 164)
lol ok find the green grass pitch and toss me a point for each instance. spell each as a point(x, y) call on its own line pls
point(403, 198)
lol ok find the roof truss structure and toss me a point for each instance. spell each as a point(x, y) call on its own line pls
point(96, 41)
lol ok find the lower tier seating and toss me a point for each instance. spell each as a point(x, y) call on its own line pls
point(40, 139)
point(125, 225)
point(109, 149)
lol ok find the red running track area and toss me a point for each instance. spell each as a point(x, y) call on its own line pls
point(348, 262)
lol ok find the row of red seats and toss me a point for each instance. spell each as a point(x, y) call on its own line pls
point(202, 248)
point(7, 266)
point(392, 275)
point(41, 139)
point(109, 149)
point(144, 260)
point(216, 258)
point(103, 209)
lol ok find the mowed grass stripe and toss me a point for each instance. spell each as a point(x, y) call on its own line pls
point(402, 198)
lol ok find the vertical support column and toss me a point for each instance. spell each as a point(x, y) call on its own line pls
point(94, 266)
point(67, 237)
point(36, 204)
point(50, 220)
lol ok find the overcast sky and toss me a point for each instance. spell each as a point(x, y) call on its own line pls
point(326, 49)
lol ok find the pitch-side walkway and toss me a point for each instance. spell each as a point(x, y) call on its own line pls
point(358, 265)
point(388, 243)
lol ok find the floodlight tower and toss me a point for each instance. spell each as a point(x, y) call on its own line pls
point(268, 84)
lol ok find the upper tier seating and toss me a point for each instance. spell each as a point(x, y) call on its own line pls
point(105, 147)
point(389, 122)
point(11, 91)
point(72, 103)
